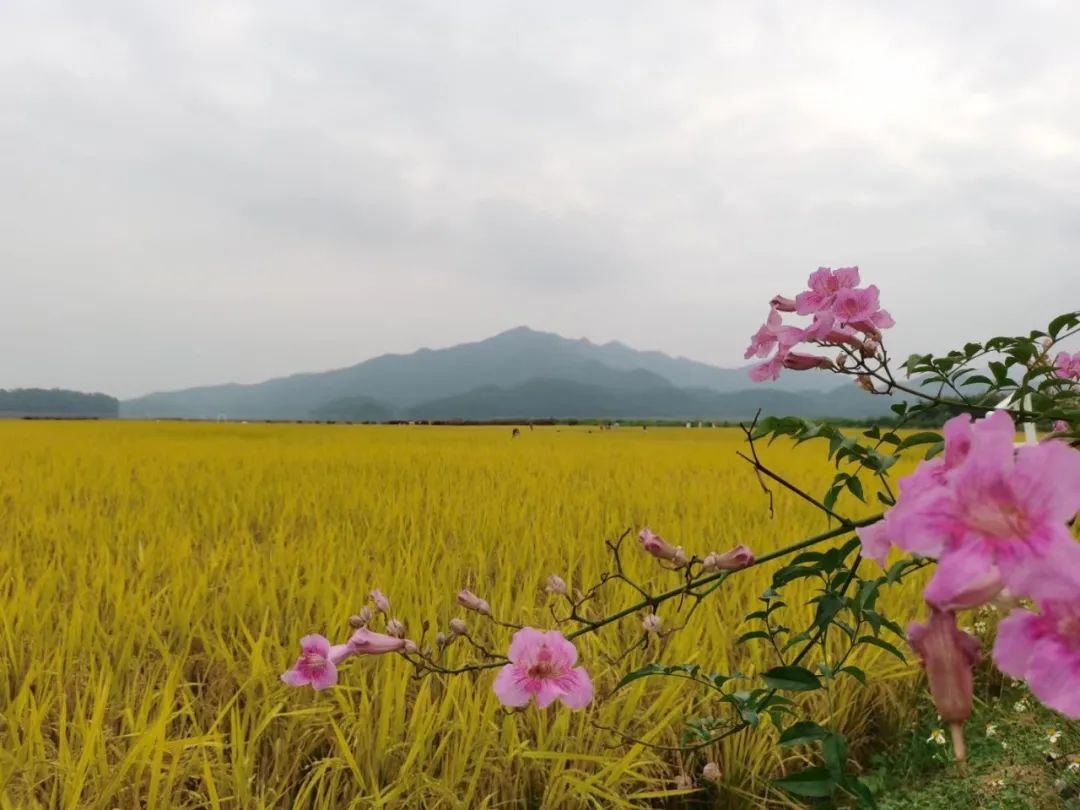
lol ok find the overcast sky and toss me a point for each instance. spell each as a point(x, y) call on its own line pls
point(202, 192)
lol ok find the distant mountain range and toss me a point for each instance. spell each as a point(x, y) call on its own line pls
point(518, 374)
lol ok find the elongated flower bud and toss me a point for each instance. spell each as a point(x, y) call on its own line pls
point(556, 584)
point(738, 557)
point(949, 655)
point(805, 362)
point(470, 601)
point(381, 602)
point(361, 619)
point(458, 627)
point(655, 545)
point(652, 623)
point(782, 304)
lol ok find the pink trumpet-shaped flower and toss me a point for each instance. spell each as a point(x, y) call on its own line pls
point(773, 334)
point(317, 663)
point(1044, 649)
point(1068, 365)
point(854, 306)
point(949, 655)
point(738, 557)
point(769, 370)
point(368, 642)
point(998, 507)
point(542, 666)
point(824, 286)
point(470, 601)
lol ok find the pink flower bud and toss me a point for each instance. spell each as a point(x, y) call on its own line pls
point(837, 337)
point(948, 654)
point(655, 545)
point(865, 383)
point(652, 623)
point(380, 600)
point(458, 627)
point(782, 304)
point(361, 619)
point(441, 639)
point(711, 772)
point(805, 362)
point(1061, 426)
point(366, 642)
point(556, 584)
point(739, 557)
point(410, 647)
point(395, 628)
point(470, 601)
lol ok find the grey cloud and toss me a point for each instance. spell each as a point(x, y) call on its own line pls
point(198, 193)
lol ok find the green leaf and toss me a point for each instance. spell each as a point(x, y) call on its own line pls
point(751, 636)
point(803, 733)
point(857, 788)
point(815, 783)
point(926, 437)
point(855, 673)
point(855, 485)
point(793, 679)
point(877, 642)
point(1063, 322)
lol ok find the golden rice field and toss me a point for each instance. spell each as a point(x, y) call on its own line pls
point(155, 579)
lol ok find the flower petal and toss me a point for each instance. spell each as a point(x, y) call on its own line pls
point(524, 644)
point(315, 645)
point(549, 690)
point(325, 676)
point(294, 677)
point(1016, 635)
point(511, 686)
point(577, 688)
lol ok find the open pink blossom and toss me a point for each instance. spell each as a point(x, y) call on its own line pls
point(542, 666)
point(1068, 365)
point(1061, 426)
point(999, 507)
point(769, 370)
point(772, 334)
point(368, 642)
point(317, 664)
point(854, 306)
point(824, 285)
point(1044, 649)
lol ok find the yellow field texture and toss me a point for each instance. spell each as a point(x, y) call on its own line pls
point(155, 579)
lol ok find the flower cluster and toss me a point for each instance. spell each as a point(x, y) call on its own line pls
point(996, 518)
point(843, 314)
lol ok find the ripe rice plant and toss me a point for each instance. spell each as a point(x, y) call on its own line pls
point(155, 576)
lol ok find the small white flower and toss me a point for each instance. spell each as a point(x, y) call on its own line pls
point(991, 729)
point(997, 783)
point(980, 627)
point(1074, 762)
point(1020, 706)
point(937, 736)
point(652, 623)
point(1004, 744)
point(1052, 735)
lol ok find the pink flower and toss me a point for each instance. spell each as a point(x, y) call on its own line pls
point(380, 600)
point(556, 584)
point(470, 601)
point(1061, 426)
point(804, 362)
point(948, 656)
point(738, 557)
point(1068, 365)
point(875, 541)
point(824, 285)
point(542, 665)
point(769, 370)
point(854, 306)
point(773, 334)
point(655, 545)
point(368, 642)
point(1044, 649)
point(317, 663)
point(996, 507)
